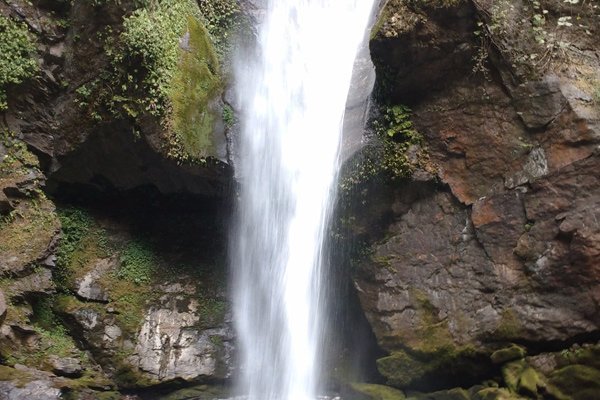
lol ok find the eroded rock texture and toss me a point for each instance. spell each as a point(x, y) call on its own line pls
point(503, 245)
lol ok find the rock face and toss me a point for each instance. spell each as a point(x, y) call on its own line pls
point(504, 245)
point(33, 390)
point(194, 352)
point(84, 307)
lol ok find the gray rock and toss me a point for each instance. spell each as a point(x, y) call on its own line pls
point(66, 366)
point(535, 167)
point(2, 307)
point(539, 103)
point(38, 390)
point(89, 287)
point(169, 346)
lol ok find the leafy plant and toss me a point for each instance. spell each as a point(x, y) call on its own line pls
point(16, 56)
point(138, 263)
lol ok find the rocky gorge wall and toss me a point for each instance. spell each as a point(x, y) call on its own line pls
point(484, 262)
point(468, 221)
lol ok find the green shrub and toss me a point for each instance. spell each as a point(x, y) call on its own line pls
point(75, 225)
point(138, 263)
point(163, 64)
point(16, 55)
point(387, 155)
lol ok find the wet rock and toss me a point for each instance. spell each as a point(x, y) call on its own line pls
point(377, 392)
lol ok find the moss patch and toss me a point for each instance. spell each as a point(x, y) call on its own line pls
point(164, 75)
point(17, 50)
point(194, 86)
point(377, 392)
point(510, 353)
point(509, 327)
point(387, 156)
point(580, 382)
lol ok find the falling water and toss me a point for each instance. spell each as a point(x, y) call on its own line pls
point(292, 100)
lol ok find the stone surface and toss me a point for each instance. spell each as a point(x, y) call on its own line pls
point(510, 353)
point(538, 103)
point(66, 366)
point(39, 390)
point(170, 347)
point(89, 287)
point(504, 247)
point(3, 307)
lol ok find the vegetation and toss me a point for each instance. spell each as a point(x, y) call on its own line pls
point(387, 155)
point(531, 36)
point(194, 86)
point(138, 263)
point(76, 225)
point(222, 18)
point(17, 61)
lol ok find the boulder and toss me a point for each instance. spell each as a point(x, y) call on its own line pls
point(3, 307)
point(66, 366)
point(39, 390)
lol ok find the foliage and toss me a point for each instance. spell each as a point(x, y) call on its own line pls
point(138, 263)
point(228, 116)
point(162, 64)
point(387, 154)
point(195, 84)
point(17, 159)
point(81, 240)
point(212, 311)
point(530, 36)
point(75, 225)
point(148, 48)
point(222, 18)
point(16, 55)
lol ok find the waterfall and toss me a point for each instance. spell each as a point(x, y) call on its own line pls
point(292, 95)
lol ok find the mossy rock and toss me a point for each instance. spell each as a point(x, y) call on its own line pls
point(377, 392)
point(529, 382)
point(510, 353)
point(19, 377)
point(452, 394)
point(580, 382)
point(496, 394)
point(410, 370)
point(196, 392)
point(511, 373)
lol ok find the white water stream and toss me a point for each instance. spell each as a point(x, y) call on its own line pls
point(292, 100)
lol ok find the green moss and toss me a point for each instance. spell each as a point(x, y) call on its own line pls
point(138, 263)
point(496, 394)
point(195, 84)
point(529, 381)
point(509, 327)
point(377, 392)
point(52, 339)
point(82, 242)
point(511, 373)
point(387, 155)
point(18, 377)
point(212, 312)
point(510, 353)
point(17, 51)
point(403, 369)
point(580, 382)
point(164, 65)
